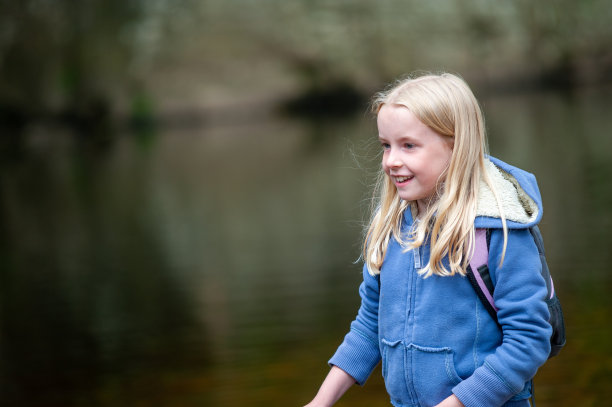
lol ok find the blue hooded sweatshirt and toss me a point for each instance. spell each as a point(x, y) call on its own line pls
point(433, 334)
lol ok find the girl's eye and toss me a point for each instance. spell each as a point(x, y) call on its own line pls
point(385, 146)
point(409, 145)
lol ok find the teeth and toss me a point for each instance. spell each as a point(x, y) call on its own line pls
point(402, 179)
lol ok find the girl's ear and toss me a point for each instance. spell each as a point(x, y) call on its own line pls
point(451, 142)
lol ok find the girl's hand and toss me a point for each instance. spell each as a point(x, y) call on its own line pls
point(451, 401)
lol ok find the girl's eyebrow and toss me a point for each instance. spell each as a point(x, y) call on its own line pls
point(400, 139)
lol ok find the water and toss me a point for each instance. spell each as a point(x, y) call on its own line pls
point(215, 265)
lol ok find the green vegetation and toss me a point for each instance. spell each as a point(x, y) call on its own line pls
point(87, 61)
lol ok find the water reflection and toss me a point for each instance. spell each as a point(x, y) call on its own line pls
point(214, 266)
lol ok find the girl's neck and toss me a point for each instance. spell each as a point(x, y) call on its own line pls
point(422, 206)
point(415, 212)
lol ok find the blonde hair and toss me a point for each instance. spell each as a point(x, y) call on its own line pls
point(446, 104)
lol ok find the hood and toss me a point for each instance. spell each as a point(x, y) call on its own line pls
point(519, 195)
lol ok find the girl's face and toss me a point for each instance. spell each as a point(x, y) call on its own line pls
point(414, 156)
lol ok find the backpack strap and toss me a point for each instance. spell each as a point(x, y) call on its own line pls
point(539, 241)
point(479, 275)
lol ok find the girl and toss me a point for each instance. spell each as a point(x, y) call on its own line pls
point(419, 313)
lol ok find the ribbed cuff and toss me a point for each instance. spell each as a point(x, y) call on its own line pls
point(357, 356)
point(483, 389)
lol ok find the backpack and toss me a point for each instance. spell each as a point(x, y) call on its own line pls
point(480, 278)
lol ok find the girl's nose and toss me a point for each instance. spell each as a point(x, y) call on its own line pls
point(392, 160)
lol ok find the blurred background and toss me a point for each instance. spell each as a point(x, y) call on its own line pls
point(183, 185)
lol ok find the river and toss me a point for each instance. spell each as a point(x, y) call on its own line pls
point(216, 265)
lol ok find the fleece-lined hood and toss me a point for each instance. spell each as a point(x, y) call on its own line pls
point(518, 192)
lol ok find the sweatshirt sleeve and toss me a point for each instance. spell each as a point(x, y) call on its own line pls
point(519, 295)
point(359, 353)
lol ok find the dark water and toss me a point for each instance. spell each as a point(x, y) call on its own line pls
point(215, 266)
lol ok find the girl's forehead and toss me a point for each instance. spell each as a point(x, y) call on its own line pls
point(399, 123)
point(397, 116)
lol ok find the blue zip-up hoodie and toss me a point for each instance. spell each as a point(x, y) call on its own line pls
point(433, 334)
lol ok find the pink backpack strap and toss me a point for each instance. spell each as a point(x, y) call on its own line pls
point(479, 259)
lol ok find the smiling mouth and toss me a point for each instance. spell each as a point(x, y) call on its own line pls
point(403, 179)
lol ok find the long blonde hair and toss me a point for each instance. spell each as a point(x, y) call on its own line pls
point(446, 104)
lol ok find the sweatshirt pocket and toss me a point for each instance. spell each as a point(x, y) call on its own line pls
point(394, 368)
point(434, 373)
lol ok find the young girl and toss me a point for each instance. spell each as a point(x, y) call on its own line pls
point(419, 313)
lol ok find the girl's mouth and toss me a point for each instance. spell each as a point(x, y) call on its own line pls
point(401, 180)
